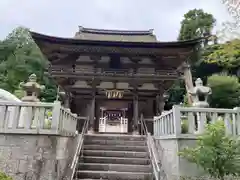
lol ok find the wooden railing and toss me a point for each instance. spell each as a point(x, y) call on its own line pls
point(190, 120)
point(36, 118)
point(111, 72)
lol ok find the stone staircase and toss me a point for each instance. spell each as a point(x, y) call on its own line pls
point(114, 157)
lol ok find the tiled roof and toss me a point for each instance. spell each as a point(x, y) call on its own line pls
point(115, 35)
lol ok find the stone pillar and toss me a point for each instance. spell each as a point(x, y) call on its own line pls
point(135, 114)
point(92, 114)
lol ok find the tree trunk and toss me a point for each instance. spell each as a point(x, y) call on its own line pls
point(188, 81)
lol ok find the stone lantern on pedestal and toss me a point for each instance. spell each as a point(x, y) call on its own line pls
point(32, 89)
point(200, 94)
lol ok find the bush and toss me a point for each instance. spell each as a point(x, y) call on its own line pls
point(217, 153)
point(225, 91)
point(3, 176)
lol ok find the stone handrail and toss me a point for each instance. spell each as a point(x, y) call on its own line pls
point(36, 118)
point(152, 150)
point(192, 120)
point(69, 121)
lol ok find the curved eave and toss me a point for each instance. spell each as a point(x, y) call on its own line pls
point(71, 41)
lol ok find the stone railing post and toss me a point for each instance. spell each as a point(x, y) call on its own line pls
point(177, 120)
point(237, 109)
point(56, 115)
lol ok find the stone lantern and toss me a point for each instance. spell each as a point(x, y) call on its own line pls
point(32, 89)
point(200, 94)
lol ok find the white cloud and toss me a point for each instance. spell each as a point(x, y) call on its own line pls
point(61, 18)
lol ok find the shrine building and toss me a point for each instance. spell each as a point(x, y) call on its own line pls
point(115, 77)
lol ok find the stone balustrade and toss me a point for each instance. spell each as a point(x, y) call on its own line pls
point(36, 118)
point(193, 120)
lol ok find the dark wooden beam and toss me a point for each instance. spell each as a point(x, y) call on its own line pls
point(122, 51)
point(130, 98)
point(70, 59)
point(100, 90)
point(113, 77)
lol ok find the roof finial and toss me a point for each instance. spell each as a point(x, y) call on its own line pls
point(80, 28)
point(151, 31)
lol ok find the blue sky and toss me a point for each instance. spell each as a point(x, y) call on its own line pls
point(62, 18)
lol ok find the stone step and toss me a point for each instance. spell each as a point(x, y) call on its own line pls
point(114, 142)
point(115, 137)
point(116, 160)
point(127, 154)
point(112, 175)
point(115, 167)
point(92, 179)
point(115, 148)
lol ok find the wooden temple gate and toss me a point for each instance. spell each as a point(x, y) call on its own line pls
point(131, 68)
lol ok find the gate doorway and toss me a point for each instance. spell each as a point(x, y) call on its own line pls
point(113, 120)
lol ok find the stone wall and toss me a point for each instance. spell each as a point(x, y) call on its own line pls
point(172, 164)
point(36, 157)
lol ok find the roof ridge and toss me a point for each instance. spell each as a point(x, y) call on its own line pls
point(117, 32)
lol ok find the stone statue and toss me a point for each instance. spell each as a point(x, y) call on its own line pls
point(200, 94)
point(160, 103)
point(32, 89)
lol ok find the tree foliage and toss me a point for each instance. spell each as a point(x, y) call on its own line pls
point(3, 176)
point(196, 23)
point(20, 57)
point(217, 153)
point(225, 91)
point(226, 55)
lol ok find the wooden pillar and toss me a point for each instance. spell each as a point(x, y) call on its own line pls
point(188, 81)
point(98, 114)
point(135, 113)
point(92, 113)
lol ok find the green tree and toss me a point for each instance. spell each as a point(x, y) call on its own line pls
point(196, 23)
point(226, 55)
point(21, 57)
point(225, 91)
point(217, 153)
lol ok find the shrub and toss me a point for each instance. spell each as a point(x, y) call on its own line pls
point(225, 91)
point(217, 153)
point(3, 176)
